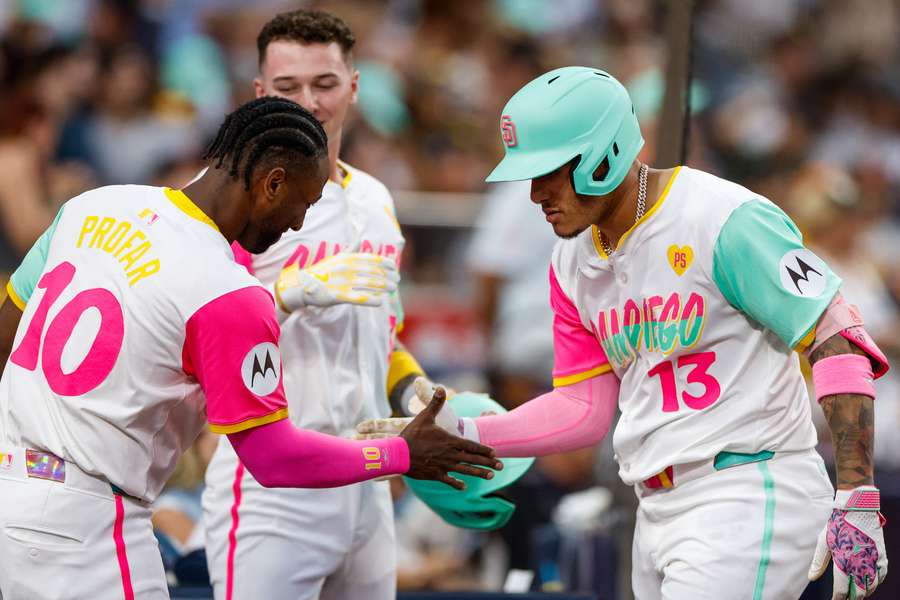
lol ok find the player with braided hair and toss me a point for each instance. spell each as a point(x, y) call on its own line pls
point(131, 326)
point(335, 282)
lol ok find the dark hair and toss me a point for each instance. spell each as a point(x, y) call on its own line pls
point(306, 27)
point(267, 130)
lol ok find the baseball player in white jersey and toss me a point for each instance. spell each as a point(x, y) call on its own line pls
point(135, 326)
point(684, 299)
point(340, 358)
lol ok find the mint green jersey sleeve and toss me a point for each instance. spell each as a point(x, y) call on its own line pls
point(762, 268)
point(22, 283)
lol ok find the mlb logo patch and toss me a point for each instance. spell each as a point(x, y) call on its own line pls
point(148, 216)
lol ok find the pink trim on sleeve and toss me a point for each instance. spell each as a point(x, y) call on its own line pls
point(281, 455)
point(243, 258)
point(845, 319)
point(231, 347)
point(568, 418)
point(577, 354)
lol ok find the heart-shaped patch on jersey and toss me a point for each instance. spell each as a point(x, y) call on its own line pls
point(680, 258)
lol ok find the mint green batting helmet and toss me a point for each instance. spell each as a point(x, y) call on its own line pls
point(478, 506)
point(569, 112)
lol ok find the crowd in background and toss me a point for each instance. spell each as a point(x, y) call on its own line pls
point(796, 99)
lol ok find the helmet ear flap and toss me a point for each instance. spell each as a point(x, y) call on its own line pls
point(600, 173)
point(574, 166)
point(602, 170)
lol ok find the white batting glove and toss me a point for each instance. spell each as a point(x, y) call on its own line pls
point(853, 536)
point(376, 429)
point(446, 419)
point(345, 278)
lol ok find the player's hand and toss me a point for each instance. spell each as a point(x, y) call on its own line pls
point(853, 536)
point(446, 418)
point(434, 453)
point(345, 278)
point(374, 429)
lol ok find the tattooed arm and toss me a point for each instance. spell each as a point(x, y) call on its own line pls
point(851, 419)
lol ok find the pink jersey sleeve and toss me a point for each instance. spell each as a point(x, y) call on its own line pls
point(577, 354)
point(231, 347)
point(566, 418)
point(243, 258)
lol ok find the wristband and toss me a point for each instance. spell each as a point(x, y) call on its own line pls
point(843, 374)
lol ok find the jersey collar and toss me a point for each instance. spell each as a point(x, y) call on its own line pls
point(348, 175)
point(186, 205)
point(595, 232)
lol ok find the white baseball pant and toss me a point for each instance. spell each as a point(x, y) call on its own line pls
point(746, 532)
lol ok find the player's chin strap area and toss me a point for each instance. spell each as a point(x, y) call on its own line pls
point(846, 373)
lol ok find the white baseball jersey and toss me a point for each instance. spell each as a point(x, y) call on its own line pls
point(338, 541)
point(137, 326)
point(337, 357)
point(697, 312)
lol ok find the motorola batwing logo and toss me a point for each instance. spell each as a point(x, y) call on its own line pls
point(803, 273)
point(261, 369)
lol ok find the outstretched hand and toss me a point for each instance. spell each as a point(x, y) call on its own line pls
point(434, 453)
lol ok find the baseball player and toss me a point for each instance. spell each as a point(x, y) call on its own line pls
point(340, 355)
point(685, 299)
point(136, 327)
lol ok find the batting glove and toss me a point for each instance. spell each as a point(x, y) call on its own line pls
point(855, 539)
point(345, 278)
point(425, 388)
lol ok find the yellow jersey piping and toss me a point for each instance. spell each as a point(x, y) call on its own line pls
point(579, 377)
point(14, 296)
point(278, 415)
point(187, 206)
point(347, 174)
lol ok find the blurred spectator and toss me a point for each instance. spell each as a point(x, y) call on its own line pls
point(134, 128)
point(835, 216)
point(31, 186)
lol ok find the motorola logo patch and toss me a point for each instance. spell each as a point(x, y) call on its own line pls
point(803, 273)
point(261, 369)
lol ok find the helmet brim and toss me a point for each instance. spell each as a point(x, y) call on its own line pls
point(518, 166)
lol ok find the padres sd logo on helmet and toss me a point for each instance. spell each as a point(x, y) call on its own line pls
point(567, 113)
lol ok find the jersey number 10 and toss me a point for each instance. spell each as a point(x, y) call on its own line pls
point(104, 351)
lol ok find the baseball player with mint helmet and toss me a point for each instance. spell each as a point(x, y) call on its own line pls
point(686, 299)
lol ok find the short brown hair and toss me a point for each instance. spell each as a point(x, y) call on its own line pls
point(306, 27)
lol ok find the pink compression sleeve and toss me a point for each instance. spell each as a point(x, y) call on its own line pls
point(568, 418)
point(281, 455)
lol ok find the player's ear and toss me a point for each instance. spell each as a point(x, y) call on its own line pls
point(274, 183)
point(354, 86)
point(258, 88)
